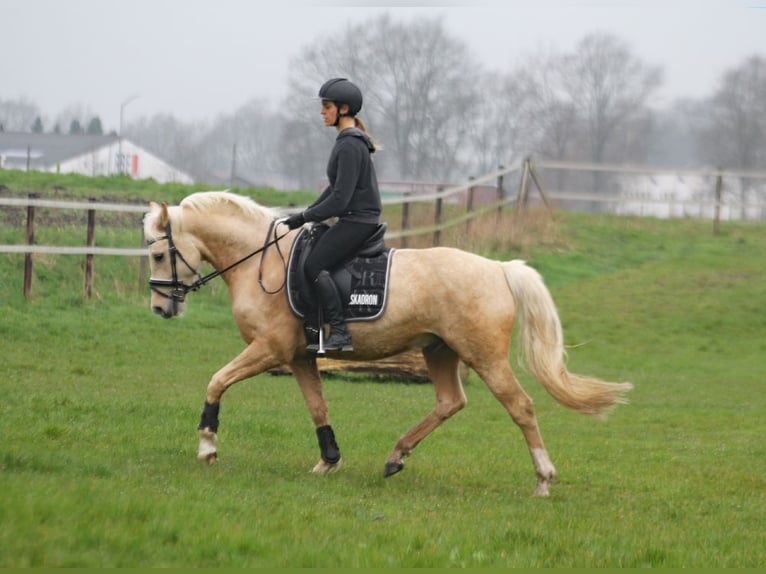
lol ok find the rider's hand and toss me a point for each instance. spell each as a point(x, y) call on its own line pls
point(295, 221)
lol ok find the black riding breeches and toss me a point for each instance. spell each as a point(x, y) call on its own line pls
point(339, 243)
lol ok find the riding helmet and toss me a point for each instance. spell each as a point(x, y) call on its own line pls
point(341, 91)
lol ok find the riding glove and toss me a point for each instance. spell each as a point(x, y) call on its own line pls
point(295, 221)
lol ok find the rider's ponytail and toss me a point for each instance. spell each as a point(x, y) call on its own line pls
point(360, 125)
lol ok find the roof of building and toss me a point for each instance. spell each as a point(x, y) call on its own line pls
point(50, 149)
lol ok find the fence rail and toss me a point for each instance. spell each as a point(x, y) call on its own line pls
point(31, 203)
point(647, 170)
point(58, 204)
point(60, 250)
point(528, 175)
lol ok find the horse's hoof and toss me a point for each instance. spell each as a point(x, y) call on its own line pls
point(542, 488)
point(323, 467)
point(392, 468)
point(210, 458)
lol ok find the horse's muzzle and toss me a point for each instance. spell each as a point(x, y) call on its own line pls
point(164, 312)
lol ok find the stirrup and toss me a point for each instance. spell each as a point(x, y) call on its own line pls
point(317, 347)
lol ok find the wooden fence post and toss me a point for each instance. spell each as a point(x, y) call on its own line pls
point(90, 242)
point(521, 197)
point(500, 194)
point(438, 216)
point(30, 241)
point(718, 192)
point(539, 186)
point(143, 263)
point(405, 219)
point(469, 204)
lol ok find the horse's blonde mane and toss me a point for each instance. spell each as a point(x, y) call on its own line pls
point(226, 202)
point(220, 202)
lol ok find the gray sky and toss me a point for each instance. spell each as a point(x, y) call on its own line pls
point(197, 59)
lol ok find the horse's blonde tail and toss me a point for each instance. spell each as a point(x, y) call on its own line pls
point(543, 346)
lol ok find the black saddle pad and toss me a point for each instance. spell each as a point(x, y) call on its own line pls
point(362, 282)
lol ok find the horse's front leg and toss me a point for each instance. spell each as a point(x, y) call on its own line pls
point(253, 360)
point(307, 375)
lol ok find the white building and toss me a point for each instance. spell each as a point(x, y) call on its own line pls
point(667, 195)
point(90, 155)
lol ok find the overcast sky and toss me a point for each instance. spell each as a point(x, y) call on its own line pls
point(197, 59)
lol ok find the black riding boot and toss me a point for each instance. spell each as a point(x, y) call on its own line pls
point(329, 299)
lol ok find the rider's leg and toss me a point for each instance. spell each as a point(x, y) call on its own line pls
point(329, 299)
point(337, 245)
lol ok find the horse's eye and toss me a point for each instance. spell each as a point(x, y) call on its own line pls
point(158, 257)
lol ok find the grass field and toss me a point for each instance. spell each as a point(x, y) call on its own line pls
point(101, 401)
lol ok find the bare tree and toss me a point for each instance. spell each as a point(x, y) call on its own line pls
point(500, 132)
point(303, 151)
point(675, 134)
point(735, 134)
point(548, 116)
point(171, 139)
point(591, 104)
point(426, 87)
point(78, 112)
point(304, 141)
point(419, 85)
point(611, 89)
point(248, 139)
point(18, 115)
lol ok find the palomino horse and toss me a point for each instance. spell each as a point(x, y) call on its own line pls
point(451, 304)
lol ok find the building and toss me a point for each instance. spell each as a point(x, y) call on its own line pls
point(667, 195)
point(91, 155)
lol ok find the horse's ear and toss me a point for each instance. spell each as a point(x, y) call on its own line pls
point(164, 215)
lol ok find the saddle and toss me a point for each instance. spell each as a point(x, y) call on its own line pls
point(362, 280)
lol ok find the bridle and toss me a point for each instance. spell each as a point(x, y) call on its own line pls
point(179, 289)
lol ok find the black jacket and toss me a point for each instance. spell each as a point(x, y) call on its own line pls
point(353, 191)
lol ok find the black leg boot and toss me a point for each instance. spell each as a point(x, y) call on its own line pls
point(329, 298)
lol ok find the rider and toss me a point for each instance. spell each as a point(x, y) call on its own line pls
point(352, 196)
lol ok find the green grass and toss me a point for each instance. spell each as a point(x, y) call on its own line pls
point(101, 401)
point(120, 188)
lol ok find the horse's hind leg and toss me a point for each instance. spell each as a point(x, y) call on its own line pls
point(442, 365)
point(505, 387)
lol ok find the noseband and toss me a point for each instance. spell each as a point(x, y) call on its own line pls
point(179, 289)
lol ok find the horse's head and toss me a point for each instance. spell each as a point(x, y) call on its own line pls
point(173, 260)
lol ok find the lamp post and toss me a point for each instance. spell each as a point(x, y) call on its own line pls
point(122, 114)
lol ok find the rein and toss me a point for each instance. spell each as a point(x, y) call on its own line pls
point(179, 289)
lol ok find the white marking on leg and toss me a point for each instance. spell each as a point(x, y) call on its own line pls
point(207, 444)
point(323, 467)
point(543, 465)
point(544, 469)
